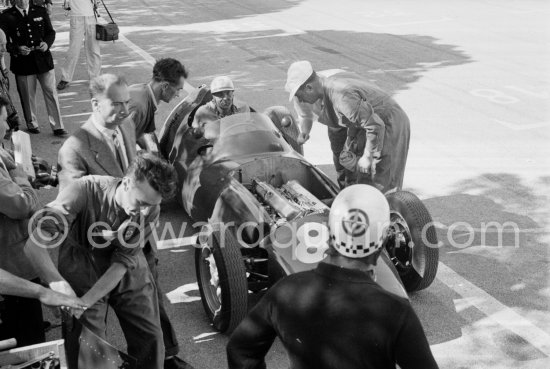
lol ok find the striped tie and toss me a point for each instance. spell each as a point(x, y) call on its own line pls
point(119, 152)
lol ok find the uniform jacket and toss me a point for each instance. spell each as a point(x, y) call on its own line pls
point(85, 152)
point(331, 318)
point(18, 201)
point(28, 32)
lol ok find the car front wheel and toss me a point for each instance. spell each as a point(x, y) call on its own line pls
point(221, 277)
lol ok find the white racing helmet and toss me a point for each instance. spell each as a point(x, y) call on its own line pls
point(358, 221)
point(221, 83)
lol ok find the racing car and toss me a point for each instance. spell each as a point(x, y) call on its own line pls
point(261, 210)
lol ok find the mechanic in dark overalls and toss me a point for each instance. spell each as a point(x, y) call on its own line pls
point(100, 224)
point(377, 129)
point(337, 316)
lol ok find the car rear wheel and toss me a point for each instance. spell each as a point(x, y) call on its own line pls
point(412, 244)
point(221, 277)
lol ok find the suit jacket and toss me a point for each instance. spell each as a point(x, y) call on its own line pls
point(85, 152)
point(28, 32)
point(18, 201)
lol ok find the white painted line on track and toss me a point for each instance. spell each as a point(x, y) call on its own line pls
point(180, 295)
point(147, 57)
point(176, 242)
point(494, 309)
point(204, 335)
point(428, 21)
point(206, 340)
point(521, 127)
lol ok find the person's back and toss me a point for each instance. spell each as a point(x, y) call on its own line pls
point(340, 318)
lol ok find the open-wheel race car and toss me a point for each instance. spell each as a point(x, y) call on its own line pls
point(264, 211)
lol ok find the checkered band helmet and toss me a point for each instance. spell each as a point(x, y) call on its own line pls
point(358, 221)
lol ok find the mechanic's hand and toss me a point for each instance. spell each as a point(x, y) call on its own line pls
point(365, 163)
point(43, 47)
point(302, 138)
point(24, 50)
point(52, 298)
point(65, 288)
point(8, 160)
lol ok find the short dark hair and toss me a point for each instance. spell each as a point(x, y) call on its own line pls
point(101, 83)
point(168, 69)
point(4, 103)
point(160, 174)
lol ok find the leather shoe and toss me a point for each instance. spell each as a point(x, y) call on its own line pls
point(33, 129)
point(60, 132)
point(176, 363)
point(62, 85)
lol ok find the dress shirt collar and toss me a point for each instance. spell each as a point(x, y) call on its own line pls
point(155, 102)
point(102, 129)
point(21, 10)
point(343, 274)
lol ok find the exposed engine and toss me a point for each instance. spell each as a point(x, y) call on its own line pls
point(290, 201)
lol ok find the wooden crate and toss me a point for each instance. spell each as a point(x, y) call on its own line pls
point(23, 354)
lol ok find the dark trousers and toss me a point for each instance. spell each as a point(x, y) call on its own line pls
point(170, 339)
point(134, 301)
point(22, 320)
point(337, 137)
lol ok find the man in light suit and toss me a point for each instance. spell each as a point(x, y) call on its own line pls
point(106, 143)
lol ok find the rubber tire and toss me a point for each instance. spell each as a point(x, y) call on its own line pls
point(417, 216)
point(233, 282)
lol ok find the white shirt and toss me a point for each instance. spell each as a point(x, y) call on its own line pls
point(108, 134)
point(21, 10)
point(82, 8)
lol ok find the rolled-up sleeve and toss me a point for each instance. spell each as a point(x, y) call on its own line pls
point(57, 217)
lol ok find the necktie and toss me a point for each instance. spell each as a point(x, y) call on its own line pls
point(119, 152)
point(24, 13)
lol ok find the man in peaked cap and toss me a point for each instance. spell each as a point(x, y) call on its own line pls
point(377, 129)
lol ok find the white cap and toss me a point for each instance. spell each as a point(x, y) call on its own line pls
point(298, 73)
point(221, 83)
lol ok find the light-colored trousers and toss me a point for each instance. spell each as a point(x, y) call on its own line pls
point(26, 86)
point(82, 28)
